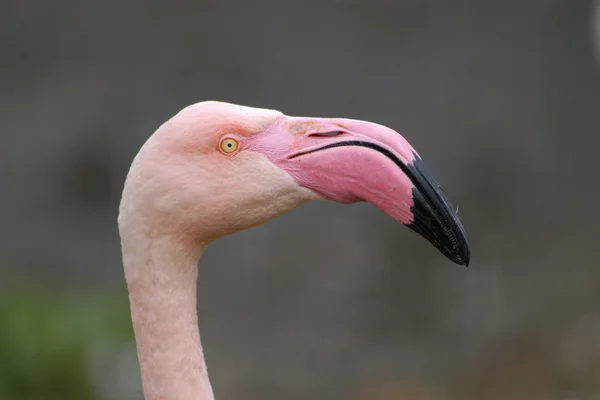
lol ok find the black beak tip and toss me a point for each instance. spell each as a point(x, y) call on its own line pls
point(452, 243)
point(456, 246)
point(461, 255)
point(434, 216)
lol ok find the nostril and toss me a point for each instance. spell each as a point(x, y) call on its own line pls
point(326, 134)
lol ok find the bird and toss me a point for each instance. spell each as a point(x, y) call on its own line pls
point(217, 168)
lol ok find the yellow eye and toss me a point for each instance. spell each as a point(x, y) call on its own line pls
point(229, 145)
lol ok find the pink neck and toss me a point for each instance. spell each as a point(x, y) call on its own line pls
point(161, 275)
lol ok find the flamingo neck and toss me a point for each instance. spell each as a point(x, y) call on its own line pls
point(161, 274)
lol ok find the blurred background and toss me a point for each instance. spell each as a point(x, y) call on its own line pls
point(501, 97)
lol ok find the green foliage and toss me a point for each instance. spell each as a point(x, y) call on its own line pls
point(46, 336)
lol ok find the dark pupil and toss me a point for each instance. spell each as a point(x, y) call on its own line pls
point(228, 144)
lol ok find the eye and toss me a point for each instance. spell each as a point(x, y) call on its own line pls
point(229, 145)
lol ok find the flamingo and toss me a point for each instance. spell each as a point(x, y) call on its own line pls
point(217, 168)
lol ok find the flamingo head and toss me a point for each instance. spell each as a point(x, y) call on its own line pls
point(217, 168)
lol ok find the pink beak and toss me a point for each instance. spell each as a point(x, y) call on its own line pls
point(350, 161)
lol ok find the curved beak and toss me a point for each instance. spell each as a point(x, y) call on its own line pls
point(350, 161)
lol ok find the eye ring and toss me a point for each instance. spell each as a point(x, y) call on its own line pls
point(229, 145)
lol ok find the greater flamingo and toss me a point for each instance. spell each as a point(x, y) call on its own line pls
point(217, 168)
